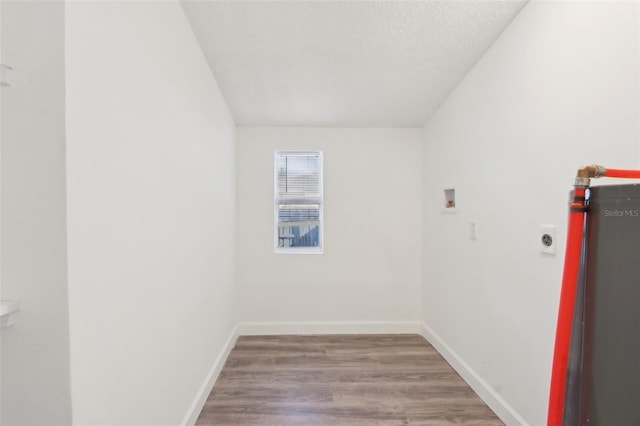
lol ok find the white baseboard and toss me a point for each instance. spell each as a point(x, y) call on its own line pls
point(504, 411)
point(194, 410)
point(337, 327)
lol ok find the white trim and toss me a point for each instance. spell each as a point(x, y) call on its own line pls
point(7, 309)
point(196, 406)
point(503, 410)
point(333, 327)
point(299, 250)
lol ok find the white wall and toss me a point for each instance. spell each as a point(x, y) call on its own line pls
point(559, 89)
point(151, 213)
point(370, 269)
point(35, 383)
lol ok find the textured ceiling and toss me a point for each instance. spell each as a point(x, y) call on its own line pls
point(343, 63)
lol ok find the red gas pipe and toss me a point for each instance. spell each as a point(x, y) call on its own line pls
point(618, 173)
point(567, 306)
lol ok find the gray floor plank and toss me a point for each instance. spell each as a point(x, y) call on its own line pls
point(341, 380)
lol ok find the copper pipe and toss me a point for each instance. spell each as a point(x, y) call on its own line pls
point(592, 171)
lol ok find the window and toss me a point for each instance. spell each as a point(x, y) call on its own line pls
point(298, 202)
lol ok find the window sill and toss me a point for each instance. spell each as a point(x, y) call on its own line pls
point(301, 250)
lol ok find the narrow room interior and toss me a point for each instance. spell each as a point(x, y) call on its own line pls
point(140, 221)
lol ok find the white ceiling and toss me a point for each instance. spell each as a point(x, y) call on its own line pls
point(343, 63)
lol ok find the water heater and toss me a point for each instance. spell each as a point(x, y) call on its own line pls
point(603, 385)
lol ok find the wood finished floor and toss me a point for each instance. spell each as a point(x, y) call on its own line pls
point(341, 380)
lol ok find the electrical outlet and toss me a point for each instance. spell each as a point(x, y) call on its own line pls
point(547, 240)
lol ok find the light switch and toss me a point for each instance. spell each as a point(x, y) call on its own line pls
point(473, 230)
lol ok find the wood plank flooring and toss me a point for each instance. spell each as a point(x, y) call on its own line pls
point(341, 380)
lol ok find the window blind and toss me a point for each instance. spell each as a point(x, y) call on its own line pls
point(298, 176)
point(298, 197)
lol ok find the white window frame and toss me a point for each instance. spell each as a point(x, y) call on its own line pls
point(297, 250)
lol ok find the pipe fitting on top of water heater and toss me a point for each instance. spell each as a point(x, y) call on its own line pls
point(586, 173)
